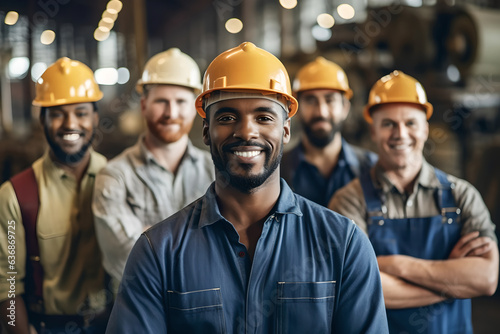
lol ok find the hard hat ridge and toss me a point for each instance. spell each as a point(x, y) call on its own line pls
point(171, 67)
point(66, 81)
point(321, 74)
point(247, 68)
point(397, 87)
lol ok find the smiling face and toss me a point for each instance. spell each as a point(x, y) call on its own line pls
point(246, 138)
point(322, 114)
point(69, 130)
point(400, 131)
point(169, 112)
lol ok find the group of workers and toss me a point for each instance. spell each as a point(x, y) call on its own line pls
point(243, 238)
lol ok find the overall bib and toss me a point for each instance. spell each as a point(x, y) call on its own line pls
point(430, 238)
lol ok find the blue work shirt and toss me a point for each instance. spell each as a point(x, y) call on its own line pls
point(305, 179)
point(313, 271)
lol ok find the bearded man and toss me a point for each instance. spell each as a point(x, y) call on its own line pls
point(323, 161)
point(250, 256)
point(55, 279)
point(163, 171)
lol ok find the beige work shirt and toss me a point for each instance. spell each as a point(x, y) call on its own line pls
point(134, 192)
point(73, 274)
point(350, 201)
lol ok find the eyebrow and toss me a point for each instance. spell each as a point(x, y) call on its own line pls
point(60, 108)
point(236, 111)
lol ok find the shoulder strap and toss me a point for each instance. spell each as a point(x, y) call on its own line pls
point(374, 206)
point(444, 196)
point(26, 189)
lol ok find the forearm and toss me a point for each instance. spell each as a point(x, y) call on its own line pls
point(14, 316)
point(466, 277)
point(401, 294)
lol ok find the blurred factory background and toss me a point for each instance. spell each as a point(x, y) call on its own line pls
point(451, 46)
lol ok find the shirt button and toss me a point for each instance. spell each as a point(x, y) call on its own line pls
point(409, 203)
point(241, 254)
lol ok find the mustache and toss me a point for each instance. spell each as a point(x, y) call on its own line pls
point(168, 121)
point(319, 119)
point(228, 147)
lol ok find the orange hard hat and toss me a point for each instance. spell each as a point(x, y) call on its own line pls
point(247, 68)
point(322, 74)
point(66, 82)
point(397, 87)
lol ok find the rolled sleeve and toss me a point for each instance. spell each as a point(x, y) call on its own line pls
point(116, 226)
point(349, 201)
point(474, 213)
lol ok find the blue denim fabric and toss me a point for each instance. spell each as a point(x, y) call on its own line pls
point(425, 238)
point(313, 271)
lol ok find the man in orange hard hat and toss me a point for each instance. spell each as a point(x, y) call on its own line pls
point(250, 256)
point(432, 233)
point(48, 249)
point(163, 171)
point(323, 161)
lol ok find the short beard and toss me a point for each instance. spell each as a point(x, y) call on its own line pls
point(246, 184)
point(321, 139)
point(68, 158)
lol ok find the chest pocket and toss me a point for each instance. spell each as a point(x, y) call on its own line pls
point(305, 307)
point(197, 311)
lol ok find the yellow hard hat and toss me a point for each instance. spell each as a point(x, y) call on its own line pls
point(247, 68)
point(321, 74)
point(171, 67)
point(65, 82)
point(397, 87)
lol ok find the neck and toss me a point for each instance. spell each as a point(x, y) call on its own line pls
point(77, 170)
point(404, 178)
point(325, 158)
point(169, 155)
point(248, 212)
point(247, 208)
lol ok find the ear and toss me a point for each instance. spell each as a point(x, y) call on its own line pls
point(372, 132)
point(426, 129)
point(95, 119)
point(287, 131)
point(143, 105)
point(347, 108)
point(206, 132)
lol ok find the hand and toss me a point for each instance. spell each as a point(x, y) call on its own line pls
point(471, 244)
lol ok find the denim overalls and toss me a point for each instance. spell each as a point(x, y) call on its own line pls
point(430, 238)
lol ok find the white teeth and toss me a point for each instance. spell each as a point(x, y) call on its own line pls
point(400, 147)
point(246, 154)
point(71, 137)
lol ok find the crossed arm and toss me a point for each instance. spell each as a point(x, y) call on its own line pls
point(470, 271)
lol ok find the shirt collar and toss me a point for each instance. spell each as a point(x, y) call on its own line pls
point(210, 213)
point(51, 167)
point(149, 157)
point(426, 178)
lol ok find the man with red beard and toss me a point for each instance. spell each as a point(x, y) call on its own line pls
point(432, 233)
point(160, 174)
point(250, 256)
point(51, 272)
point(323, 161)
